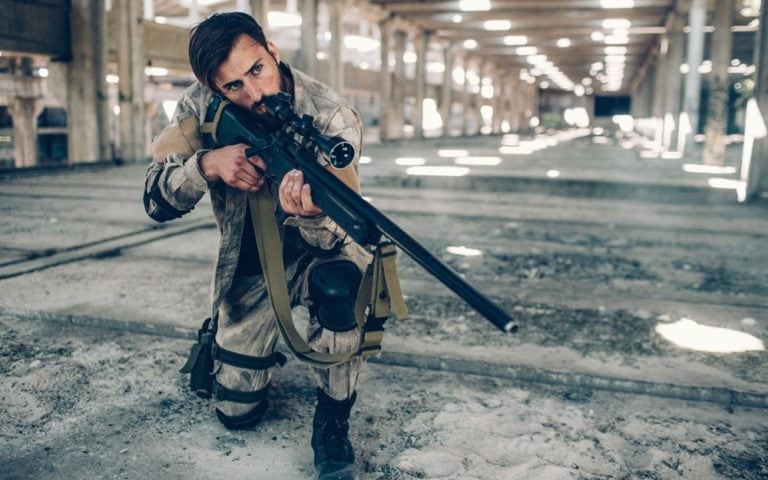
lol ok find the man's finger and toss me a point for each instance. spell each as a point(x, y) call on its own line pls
point(298, 183)
point(257, 162)
point(306, 199)
point(248, 177)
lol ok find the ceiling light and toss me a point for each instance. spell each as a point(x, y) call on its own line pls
point(514, 40)
point(617, 3)
point(155, 71)
point(457, 18)
point(615, 50)
point(437, 171)
point(435, 67)
point(536, 59)
point(470, 44)
point(612, 23)
point(614, 40)
point(597, 36)
point(283, 19)
point(410, 161)
point(525, 51)
point(362, 44)
point(563, 42)
point(474, 5)
point(497, 25)
point(458, 75)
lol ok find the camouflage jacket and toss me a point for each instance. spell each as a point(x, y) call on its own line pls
point(174, 182)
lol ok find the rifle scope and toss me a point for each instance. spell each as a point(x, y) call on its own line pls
point(339, 151)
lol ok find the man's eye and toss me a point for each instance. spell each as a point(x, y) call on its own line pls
point(256, 69)
point(234, 87)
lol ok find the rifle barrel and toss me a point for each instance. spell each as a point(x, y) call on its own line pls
point(334, 195)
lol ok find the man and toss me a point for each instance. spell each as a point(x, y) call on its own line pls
point(230, 56)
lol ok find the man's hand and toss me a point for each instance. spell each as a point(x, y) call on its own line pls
point(231, 166)
point(296, 196)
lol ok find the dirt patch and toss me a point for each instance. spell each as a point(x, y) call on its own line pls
point(719, 278)
point(589, 331)
point(113, 403)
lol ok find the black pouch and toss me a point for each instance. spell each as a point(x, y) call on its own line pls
point(199, 364)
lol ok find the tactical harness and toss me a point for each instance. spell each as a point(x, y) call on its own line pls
point(378, 294)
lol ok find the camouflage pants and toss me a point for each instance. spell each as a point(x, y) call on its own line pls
point(247, 325)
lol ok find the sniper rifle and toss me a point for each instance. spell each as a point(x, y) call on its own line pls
point(286, 141)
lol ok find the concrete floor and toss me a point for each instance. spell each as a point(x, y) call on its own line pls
point(621, 270)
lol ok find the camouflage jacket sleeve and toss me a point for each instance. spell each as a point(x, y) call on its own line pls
point(173, 181)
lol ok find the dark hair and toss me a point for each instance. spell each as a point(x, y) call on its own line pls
point(211, 41)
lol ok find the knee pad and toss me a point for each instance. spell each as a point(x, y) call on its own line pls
point(333, 291)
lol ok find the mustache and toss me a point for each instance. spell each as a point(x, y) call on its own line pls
point(257, 106)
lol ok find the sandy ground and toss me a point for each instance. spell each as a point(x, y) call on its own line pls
point(594, 270)
point(82, 403)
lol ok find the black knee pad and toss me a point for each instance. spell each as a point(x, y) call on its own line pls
point(333, 291)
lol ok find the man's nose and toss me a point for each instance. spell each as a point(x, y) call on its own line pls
point(254, 92)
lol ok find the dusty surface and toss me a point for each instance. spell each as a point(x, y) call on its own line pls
point(593, 265)
point(80, 402)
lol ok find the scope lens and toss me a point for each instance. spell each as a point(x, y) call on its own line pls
point(341, 154)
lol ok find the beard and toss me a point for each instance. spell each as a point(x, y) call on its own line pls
point(258, 108)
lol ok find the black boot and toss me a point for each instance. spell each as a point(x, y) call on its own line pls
point(334, 455)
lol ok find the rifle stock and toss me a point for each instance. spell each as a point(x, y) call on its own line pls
point(287, 142)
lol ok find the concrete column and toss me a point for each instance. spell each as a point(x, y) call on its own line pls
point(336, 11)
point(306, 57)
point(754, 166)
point(650, 87)
point(466, 99)
point(259, 11)
point(397, 116)
point(25, 111)
point(660, 75)
point(514, 95)
point(149, 10)
point(660, 92)
point(422, 46)
point(446, 92)
point(240, 5)
point(385, 79)
point(637, 100)
point(673, 80)
point(88, 105)
point(194, 12)
point(697, 17)
point(535, 101)
point(480, 101)
point(130, 70)
point(717, 111)
point(498, 103)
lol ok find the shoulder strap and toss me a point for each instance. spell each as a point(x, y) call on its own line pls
point(379, 285)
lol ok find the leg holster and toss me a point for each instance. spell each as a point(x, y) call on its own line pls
point(202, 376)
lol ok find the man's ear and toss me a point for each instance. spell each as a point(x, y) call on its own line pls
point(272, 49)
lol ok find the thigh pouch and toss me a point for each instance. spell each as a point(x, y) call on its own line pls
point(200, 367)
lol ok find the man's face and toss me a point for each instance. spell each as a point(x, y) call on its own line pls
point(249, 73)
